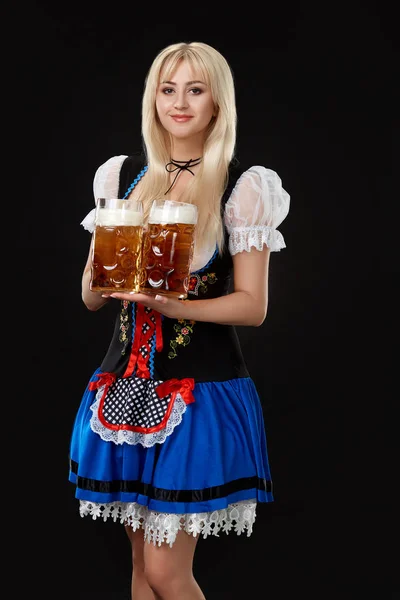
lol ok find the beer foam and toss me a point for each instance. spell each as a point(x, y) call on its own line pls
point(174, 214)
point(118, 216)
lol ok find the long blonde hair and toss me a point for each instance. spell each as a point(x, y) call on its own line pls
point(206, 189)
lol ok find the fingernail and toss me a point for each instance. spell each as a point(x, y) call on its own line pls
point(160, 298)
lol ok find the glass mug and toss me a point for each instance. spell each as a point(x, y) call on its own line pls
point(117, 244)
point(167, 248)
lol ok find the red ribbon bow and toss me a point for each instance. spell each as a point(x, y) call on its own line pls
point(102, 379)
point(173, 386)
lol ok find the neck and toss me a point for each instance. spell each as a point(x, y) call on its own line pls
point(183, 151)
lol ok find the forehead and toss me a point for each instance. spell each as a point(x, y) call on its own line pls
point(183, 70)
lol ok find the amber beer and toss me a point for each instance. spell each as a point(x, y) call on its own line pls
point(168, 246)
point(117, 244)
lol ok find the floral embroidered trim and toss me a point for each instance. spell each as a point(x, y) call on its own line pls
point(182, 328)
point(163, 527)
point(124, 325)
point(198, 283)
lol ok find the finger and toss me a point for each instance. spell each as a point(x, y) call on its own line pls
point(124, 294)
point(134, 297)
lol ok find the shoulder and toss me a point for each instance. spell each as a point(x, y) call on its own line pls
point(256, 181)
point(131, 167)
point(115, 174)
point(235, 171)
point(240, 172)
point(259, 175)
point(257, 198)
point(108, 171)
point(112, 163)
point(244, 176)
point(106, 177)
point(122, 162)
point(134, 161)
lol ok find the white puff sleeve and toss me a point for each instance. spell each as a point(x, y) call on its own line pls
point(105, 185)
point(256, 207)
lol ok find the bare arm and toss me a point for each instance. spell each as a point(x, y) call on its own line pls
point(246, 305)
point(92, 300)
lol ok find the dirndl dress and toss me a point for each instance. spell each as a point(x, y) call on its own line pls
point(170, 434)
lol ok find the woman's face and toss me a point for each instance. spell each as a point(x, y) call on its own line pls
point(184, 103)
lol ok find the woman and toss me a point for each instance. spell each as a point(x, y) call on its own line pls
point(206, 468)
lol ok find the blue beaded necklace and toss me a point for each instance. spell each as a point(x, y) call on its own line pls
point(135, 181)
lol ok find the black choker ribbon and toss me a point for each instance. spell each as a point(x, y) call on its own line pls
point(179, 166)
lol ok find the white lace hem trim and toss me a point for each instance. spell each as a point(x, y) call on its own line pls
point(122, 436)
point(162, 528)
point(244, 238)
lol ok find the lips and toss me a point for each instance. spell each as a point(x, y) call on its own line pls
point(180, 118)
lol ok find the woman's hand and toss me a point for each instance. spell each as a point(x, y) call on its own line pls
point(167, 306)
point(246, 305)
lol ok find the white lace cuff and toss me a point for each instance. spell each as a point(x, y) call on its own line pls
point(88, 221)
point(244, 238)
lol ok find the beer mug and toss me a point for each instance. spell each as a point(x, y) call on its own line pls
point(117, 245)
point(167, 250)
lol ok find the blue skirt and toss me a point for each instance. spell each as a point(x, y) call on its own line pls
point(214, 458)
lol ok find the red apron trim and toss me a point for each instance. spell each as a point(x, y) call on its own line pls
point(172, 386)
point(159, 337)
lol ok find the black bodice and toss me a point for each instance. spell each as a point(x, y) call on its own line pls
point(203, 351)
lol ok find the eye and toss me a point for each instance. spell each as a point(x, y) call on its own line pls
point(167, 91)
point(196, 91)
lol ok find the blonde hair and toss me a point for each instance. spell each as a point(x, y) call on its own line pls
point(206, 189)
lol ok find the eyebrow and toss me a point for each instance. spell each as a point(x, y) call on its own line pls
point(187, 83)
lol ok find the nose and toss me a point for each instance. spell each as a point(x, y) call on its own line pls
point(180, 101)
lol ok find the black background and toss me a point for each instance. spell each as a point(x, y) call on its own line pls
point(316, 102)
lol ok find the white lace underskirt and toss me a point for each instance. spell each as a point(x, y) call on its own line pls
point(163, 527)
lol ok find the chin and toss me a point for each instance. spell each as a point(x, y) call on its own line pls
point(182, 135)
